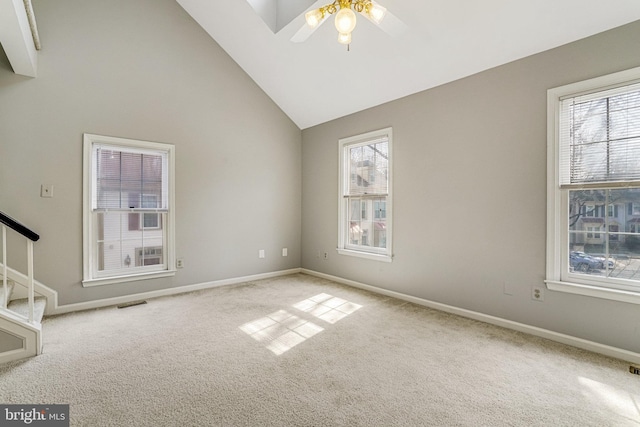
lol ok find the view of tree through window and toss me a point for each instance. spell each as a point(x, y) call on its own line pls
point(604, 232)
point(602, 134)
point(605, 138)
point(593, 187)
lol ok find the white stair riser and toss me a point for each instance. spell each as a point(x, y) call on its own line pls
point(14, 320)
point(21, 307)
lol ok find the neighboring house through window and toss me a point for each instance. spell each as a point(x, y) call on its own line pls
point(128, 210)
point(365, 195)
point(593, 241)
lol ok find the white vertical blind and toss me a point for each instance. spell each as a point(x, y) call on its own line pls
point(600, 137)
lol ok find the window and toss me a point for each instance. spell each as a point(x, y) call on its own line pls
point(593, 243)
point(128, 210)
point(380, 209)
point(365, 188)
point(593, 211)
point(593, 232)
point(149, 256)
point(149, 220)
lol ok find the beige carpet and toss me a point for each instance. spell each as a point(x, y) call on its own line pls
point(302, 351)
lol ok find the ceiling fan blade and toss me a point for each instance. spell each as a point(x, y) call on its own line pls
point(390, 24)
point(305, 32)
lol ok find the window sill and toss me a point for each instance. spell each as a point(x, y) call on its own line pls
point(594, 291)
point(129, 278)
point(366, 255)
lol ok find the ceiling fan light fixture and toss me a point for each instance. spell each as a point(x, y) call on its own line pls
point(314, 17)
point(344, 38)
point(345, 20)
point(376, 12)
point(345, 17)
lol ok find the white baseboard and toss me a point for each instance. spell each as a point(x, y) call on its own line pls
point(67, 308)
point(595, 347)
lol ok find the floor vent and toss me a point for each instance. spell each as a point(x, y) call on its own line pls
point(134, 303)
point(634, 369)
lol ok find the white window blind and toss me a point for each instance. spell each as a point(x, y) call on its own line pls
point(129, 178)
point(600, 138)
point(368, 168)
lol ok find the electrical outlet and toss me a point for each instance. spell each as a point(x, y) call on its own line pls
point(634, 369)
point(326, 255)
point(261, 253)
point(285, 252)
point(180, 263)
point(537, 293)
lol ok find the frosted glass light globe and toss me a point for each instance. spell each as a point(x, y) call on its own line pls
point(344, 38)
point(345, 20)
point(314, 17)
point(377, 13)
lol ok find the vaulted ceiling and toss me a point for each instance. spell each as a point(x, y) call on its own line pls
point(436, 41)
point(420, 45)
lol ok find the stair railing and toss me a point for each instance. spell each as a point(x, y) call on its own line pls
point(31, 237)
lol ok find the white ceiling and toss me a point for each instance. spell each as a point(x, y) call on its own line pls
point(319, 80)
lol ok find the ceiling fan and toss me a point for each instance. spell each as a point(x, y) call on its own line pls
point(345, 19)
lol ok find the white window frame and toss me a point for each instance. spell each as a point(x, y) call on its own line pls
point(558, 276)
point(91, 275)
point(344, 246)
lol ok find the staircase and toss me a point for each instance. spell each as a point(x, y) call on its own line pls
point(21, 305)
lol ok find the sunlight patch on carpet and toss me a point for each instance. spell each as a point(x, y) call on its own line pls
point(280, 331)
point(621, 401)
point(327, 307)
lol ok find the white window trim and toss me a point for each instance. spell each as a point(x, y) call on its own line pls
point(384, 255)
point(365, 255)
point(557, 200)
point(90, 277)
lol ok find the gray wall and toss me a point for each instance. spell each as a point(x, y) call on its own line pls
point(470, 168)
point(470, 193)
point(145, 70)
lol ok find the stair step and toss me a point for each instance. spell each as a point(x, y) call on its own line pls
point(4, 299)
point(21, 306)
